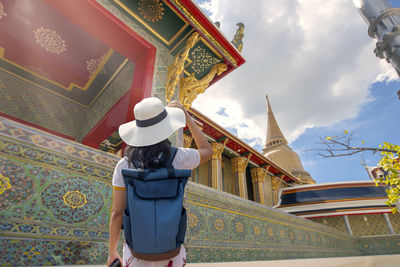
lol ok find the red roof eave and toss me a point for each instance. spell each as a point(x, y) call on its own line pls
point(274, 169)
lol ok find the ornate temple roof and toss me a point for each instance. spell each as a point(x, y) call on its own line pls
point(238, 147)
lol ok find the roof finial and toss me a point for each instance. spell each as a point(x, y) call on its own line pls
point(274, 133)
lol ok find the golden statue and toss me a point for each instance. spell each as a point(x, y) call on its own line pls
point(190, 86)
point(175, 69)
point(237, 39)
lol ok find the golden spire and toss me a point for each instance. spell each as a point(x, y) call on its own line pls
point(274, 133)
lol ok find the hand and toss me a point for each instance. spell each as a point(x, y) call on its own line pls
point(112, 257)
point(177, 104)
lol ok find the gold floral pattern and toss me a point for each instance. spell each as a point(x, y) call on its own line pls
point(193, 220)
point(202, 60)
point(257, 230)
point(151, 10)
point(4, 184)
point(31, 253)
point(50, 40)
point(2, 12)
point(282, 234)
point(74, 199)
point(270, 232)
point(219, 224)
point(93, 64)
point(239, 227)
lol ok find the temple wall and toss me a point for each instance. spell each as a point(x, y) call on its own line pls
point(363, 225)
point(54, 210)
point(22, 99)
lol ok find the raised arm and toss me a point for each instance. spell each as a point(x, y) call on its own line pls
point(202, 144)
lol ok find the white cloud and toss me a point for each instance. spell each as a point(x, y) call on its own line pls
point(313, 58)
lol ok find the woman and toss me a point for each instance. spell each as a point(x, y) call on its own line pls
point(147, 143)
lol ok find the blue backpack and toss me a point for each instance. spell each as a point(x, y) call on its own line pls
point(154, 218)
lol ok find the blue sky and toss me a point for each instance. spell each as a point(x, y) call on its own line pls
point(377, 121)
point(315, 61)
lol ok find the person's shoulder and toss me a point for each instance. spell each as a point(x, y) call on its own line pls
point(186, 158)
point(122, 163)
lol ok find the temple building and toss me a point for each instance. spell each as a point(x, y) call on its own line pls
point(277, 150)
point(237, 168)
point(71, 72)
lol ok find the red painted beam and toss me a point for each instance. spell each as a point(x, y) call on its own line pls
point(99, 22)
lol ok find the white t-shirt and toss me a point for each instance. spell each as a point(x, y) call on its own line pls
point(185, 159)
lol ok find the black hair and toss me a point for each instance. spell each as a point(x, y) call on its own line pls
point(149, 157)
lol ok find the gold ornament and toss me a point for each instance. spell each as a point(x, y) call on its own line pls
point(2, 12)
point(257, 230)
point(237, 39)
point(151, 10)
point(50, 40)
point(75, 199)
point(190, 87)
point(193, 220)
point(176, 68)
point(219, 225)
point(31, 253)
point(270, 232)
point(202, 60)
point(239, 227)
point(4, 184)
point(93, 64)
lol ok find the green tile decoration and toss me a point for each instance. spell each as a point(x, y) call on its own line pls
point(55, 198)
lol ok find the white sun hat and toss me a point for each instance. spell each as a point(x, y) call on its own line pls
point(153, 123)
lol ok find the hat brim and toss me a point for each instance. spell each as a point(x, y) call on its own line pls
point(133, 135)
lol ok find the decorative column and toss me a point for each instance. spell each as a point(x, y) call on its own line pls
point(239, 165)
point(216, 166)
point(258, 178)
point(187, 140)
point(276, 182)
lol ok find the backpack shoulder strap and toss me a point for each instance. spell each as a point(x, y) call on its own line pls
point(172, 154)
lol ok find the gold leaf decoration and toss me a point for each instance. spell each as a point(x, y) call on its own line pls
point(4, 184)
point(50, 40)
point(202, 60)
point(219, 225)
point(74, 199)
point(151, 10)
point(93, 64)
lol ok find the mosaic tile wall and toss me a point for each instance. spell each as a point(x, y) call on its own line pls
point(54, 199)
point(380, 245)
point(31, 103)
point(223, 227)
point(54, 210)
